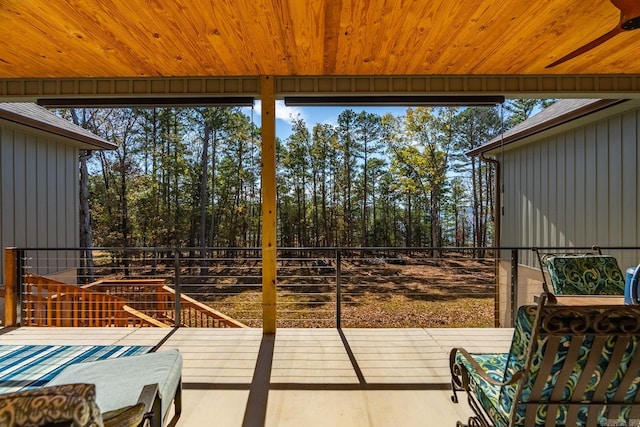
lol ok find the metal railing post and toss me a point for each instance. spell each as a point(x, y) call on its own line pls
point(514, 285)
point(22, 263)
point(338, 289)
point(177, 308)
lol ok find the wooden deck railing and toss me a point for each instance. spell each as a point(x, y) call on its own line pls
point(127, 302)
point(156, 300)
point(146, 320)
point(48, 302)
point(145, 295)
point(193, 313)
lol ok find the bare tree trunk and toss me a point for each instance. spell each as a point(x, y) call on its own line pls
point(325, 219)
point(212, 224)
point(204, 269)
point(476, 180)
point(409, 235)
point(316, 219)
point(87, 268)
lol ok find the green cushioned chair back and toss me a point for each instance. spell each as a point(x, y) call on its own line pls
point(584, 363)
point(517, 352)
point(585, 275)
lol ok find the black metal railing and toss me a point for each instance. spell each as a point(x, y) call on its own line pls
point(317, 287)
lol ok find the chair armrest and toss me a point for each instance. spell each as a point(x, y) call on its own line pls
point(150, 396)
point(460, 375)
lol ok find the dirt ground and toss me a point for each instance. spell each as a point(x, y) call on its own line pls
point(376, 290)
point(377, 294)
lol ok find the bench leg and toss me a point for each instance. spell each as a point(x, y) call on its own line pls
point(178, 399)
point(479, 419)
point(177, 404)
point(156, 418)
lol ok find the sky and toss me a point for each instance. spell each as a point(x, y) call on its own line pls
point(311, 115)
point(314, 115)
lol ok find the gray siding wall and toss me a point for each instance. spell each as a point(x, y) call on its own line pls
point(577, 188)
point(39, 204)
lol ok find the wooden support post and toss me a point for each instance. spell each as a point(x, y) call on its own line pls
point(269, 261)
point(11, 286)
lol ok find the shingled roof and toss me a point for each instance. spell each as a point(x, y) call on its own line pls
point(560, 112)
point(37, 117)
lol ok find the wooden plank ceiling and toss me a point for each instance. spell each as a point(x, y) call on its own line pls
point(190, 38)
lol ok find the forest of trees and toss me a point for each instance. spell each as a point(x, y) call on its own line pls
point(190, 177)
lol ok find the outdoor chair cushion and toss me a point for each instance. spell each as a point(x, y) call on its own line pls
point(119, 381)
point(488, 394)
point(568, 365)
point(497, 400)
point(70, 404)
point(585, 275)
point(602, 370)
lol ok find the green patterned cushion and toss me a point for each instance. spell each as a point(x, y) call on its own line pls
point(573, 330)
point(585, 275)
point(497, 400)
point(488, 394)
point(74, 403)
point(518, 351)
point(561, 413)
point(586, 342)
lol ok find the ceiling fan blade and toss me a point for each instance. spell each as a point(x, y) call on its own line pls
point(629, 9)
point(587, 47)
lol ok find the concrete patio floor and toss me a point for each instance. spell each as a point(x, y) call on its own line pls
point(302, 377)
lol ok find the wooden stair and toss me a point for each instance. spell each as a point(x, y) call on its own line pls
point(114, 302)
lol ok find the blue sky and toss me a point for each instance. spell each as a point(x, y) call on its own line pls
point(311, 115)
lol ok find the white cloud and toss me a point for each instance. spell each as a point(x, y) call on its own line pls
point(283, 112)
point(332, 121)
point(287, 113)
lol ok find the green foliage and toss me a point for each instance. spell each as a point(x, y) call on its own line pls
point(191, 177)
point(520, 110)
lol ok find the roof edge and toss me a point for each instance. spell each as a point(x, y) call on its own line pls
point(561, 119)
point(96, 142)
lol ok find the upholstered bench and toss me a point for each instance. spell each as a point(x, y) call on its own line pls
point(119, 381)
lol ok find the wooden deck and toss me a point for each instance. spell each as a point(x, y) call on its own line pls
point(302, 377)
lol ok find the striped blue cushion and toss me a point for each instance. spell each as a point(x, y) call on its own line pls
point(31, 366)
